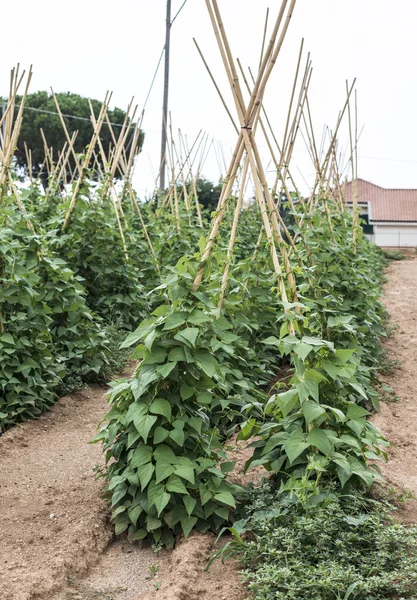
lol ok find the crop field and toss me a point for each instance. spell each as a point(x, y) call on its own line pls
point(254, 323)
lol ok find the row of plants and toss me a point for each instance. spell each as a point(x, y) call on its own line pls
point(202, 377)
point(69, 297)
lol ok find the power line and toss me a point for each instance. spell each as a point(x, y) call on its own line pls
point(178, 12)
point(154, 77)
point(51, 112)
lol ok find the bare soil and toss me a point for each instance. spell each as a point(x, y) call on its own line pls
point(56, 539)
point(398, 419)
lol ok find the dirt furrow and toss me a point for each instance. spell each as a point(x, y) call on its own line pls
point(52, 520)
point(398, 418)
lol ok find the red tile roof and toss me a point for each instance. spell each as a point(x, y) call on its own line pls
point(385, 204)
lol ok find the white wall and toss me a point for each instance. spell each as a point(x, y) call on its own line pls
point(399, 236)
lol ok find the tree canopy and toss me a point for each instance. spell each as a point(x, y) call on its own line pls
point(70, 104)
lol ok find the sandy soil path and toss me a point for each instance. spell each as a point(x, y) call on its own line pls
point(52, 520)
point(398, 420)
point(56, 539)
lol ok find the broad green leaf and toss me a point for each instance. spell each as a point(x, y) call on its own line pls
point(134, 513)
point(140, 456)
point(175, 484)
point(162, 471)
point(186, 391)
point(303, 350)
point(287, 401)
point(206, 362)
point(165, 454)
point(356, 425)
point(189, 504)
point(7, 339)
point(312, 411)
point(166, 369)
point(178, 436)
point(160, 435)
point(144, 329)
point(174, 320)
point(161, 501)
point(160, 406)
point(295, 445)
point(185, 472)
point(145, 473)
point(187, 525)
point(197, 317)
point(356, 412)
point(272, 341)
point(246, 430)
point(140, 534)
point(359, 389)
point(204, 398)
point(320, 439)
point(144, 424)
point(277, 439)
point(149, 339)
point(188, 336)
point(225, 498)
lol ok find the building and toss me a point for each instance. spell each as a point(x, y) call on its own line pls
point(390, 215)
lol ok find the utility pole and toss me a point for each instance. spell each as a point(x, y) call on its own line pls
point(165, 105)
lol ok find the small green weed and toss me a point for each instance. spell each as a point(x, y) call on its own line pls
point(345, 547)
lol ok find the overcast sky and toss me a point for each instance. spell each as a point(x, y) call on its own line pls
point(90, 46)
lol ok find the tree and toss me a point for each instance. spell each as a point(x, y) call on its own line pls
point(70, 104)
point(208, 193)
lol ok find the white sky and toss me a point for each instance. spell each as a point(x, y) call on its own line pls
point(89, 46)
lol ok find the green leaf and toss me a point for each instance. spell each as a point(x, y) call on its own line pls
point(160, 435)
point(165, 454)
point(145, 473)
point(204, 398)
point(287, 401)
point(186, 391)
point(187, 525)
point(178, 436)
point(186, 472)
point(295, 445)
point(174, 320)
point(312, 411)
point(175, 484)
point(189, 504)
point(7, 339)
point(303, 350)
point(161, 501)
point(160, 406)
point(206, 362)
point(319, 438)
point(188, 336)
point(246, 430)
point(197, 317)
point(225, 498)
point(358, 388)
point(134, 513)
point(140, 456)
point(144, 424)
point(149, 339)
point(162, 471)
point(139, 333)
point(166, 369)
point(356, 412)
point(272, 341)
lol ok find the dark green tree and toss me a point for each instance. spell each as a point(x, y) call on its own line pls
point(70, 104)
point(208, 193)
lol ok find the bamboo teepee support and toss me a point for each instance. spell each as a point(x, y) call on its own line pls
point(249, 140)
point(86, 161)
point(247, 117)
